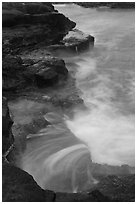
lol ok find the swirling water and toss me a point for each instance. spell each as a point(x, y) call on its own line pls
point(59, 157)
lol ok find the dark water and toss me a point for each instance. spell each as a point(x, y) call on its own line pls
point(59, 157)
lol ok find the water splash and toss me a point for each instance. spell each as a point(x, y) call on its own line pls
point(105, 131)
point(57, 159)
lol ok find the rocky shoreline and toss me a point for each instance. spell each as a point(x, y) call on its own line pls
point(31, 33)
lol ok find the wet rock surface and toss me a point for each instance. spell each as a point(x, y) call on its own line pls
point(18, 74)
point(26, 25)
point(118, 188)
point(78, 40)
point(75, 41)
point(19, 186)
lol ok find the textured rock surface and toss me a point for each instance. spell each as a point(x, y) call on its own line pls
point(94, 196)
point(118, 188)
point(75, 41)
point(26, 25)
point(19, 186)
point(12, 74)
point(78, 40)
point(18, 74)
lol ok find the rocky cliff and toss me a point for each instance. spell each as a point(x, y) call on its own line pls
point(30, 31)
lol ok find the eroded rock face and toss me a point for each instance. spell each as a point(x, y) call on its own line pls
point(30, 24)
point(47, 71)
point(78, 40)
point(18, 74)
point(29, 7)
point(12, 69)
point(118, 188)
point(75, 41)
point(7, 137)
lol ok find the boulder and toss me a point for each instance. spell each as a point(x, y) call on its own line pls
point(47, 71)
point(75, 41)
point(120, 188)
point(46, 77)
point(78, 40)
point(18, 74)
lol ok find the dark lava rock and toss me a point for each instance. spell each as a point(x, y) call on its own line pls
point(28, 7)
point(29, 24)
point(78, 40)
point(12, 70)
point(18, 74)
point(47, 72)
point(7, 137)
point(19, 186)
point(119, 188)
point(94, 196)
point(46, 77)
point(119, 5)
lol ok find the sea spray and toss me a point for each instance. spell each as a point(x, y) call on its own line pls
point(59, 157)
point(110, 140)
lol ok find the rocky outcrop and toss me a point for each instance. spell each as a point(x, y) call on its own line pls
point(78, 40)
point(18, 74)
point(28, 7)
point(120, 188)
point(93, 196)
point(26, 25)
point(49, 71)
point(119, 5)
point(19, 186)
point(75, 41)
point(12, 73)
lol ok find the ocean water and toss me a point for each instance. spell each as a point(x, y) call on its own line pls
point(60, 156)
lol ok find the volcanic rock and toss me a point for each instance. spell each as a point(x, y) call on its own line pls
point(12, 70)
point(18, 74)
point(30, 24)
point(47, 72)
point(19, 186)
point(78, 40)
point(118, 188)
